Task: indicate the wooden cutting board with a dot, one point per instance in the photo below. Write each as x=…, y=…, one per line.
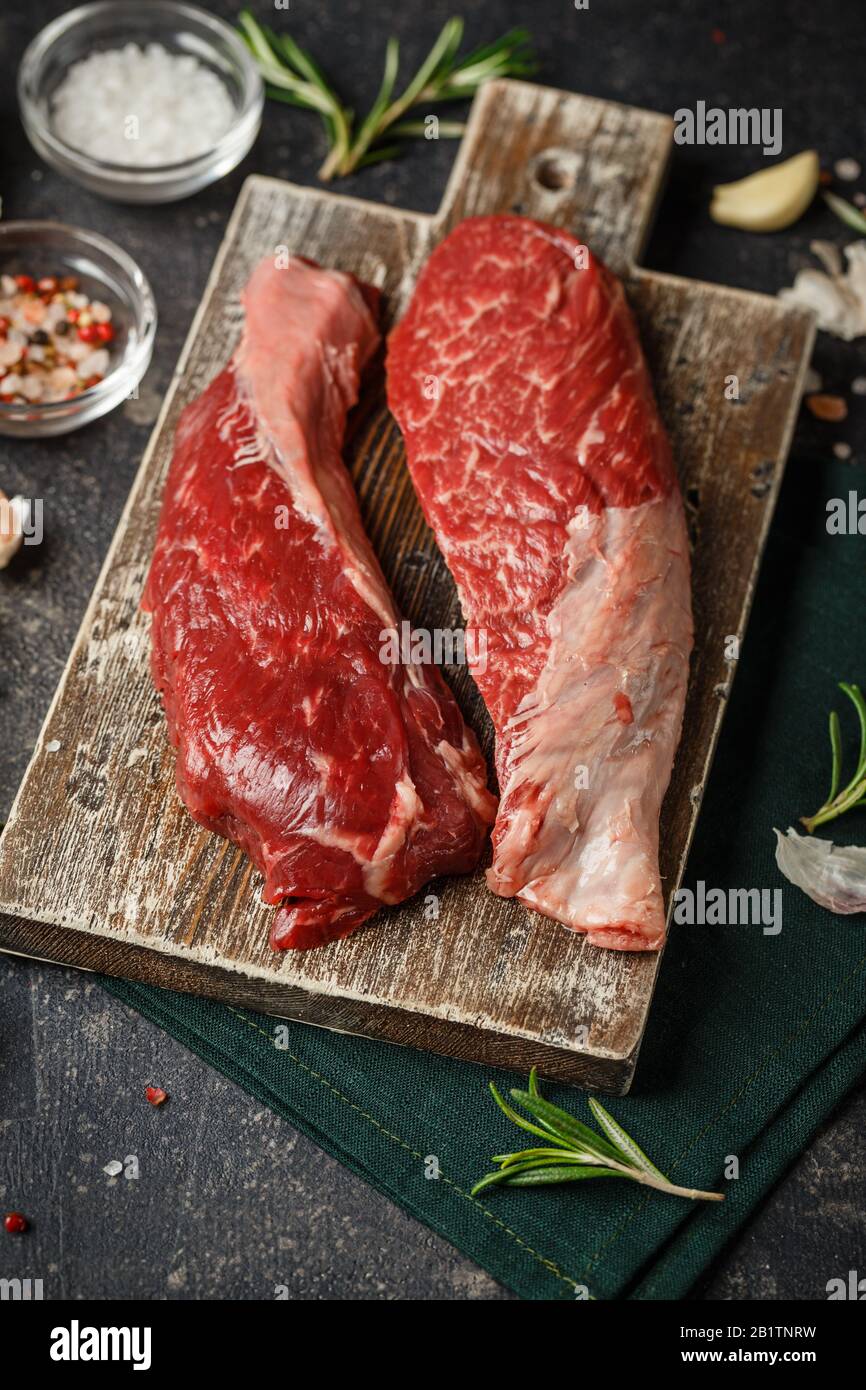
x=101, y=867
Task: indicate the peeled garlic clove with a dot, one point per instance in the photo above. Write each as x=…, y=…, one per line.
x=11, y=528
x=834, y=876
x=771, y=199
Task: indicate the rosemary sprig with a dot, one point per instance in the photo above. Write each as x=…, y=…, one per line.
x=291, y=75
x=852, y=216
x=573, y=1151
x=440, y=78
x=854, y=794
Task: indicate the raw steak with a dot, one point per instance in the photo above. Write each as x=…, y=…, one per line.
x=348, y=782
x=536, y=449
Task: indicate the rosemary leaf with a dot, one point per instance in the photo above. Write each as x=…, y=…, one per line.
x=370, y=127
x=530, y=1155
x=438, y=61
x=503, y=1175
x=852, y=216
x=380, y=153
x=512, y=1115
x=447, y=130
x=836, y=754
x=853, y=794
x=304, y=63
x=539, y=1174
x=853, y=692
x=284, y=94
x=622, y=1142
x=511, y=42
x=569, y=1130
x=564, y=1172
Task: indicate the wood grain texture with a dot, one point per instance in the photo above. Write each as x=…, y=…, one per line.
x=102, y=867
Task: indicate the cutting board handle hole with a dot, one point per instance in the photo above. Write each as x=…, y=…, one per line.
x=556, y=170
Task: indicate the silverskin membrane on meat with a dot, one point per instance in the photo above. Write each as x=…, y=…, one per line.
x=349, y=782
x=535, y=446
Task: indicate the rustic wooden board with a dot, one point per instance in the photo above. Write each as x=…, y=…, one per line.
x=101, y=867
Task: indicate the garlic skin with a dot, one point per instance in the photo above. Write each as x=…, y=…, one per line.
x=771, y=199
x=835, y=295
x=834, y=876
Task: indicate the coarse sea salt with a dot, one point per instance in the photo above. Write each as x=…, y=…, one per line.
x=141, y=107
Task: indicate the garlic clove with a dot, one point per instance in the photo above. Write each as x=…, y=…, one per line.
x=11, y=528
x=771, y=199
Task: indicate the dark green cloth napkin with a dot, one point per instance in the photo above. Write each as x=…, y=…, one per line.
x=753, y=1038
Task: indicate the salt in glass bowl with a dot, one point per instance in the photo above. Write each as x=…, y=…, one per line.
x=111, y=24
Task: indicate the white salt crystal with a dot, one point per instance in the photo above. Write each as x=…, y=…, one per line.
x=10, y=353
x=54, y=314
x=94, y=364
x=847, y=169
x=62, y=378
x=141, y=107
x=31, y=387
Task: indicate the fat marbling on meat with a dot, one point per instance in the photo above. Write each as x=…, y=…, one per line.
x=348, y=782
x=536, y=449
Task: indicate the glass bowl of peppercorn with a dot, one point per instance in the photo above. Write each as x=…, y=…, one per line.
x=77, y=324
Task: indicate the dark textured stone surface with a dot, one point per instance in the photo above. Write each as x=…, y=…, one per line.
x=230, y=1201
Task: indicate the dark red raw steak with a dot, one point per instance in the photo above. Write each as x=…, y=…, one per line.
x=537, y=451
x=348, y=782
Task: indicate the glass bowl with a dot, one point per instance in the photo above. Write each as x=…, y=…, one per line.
x=109, y=24
x=105, y=273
